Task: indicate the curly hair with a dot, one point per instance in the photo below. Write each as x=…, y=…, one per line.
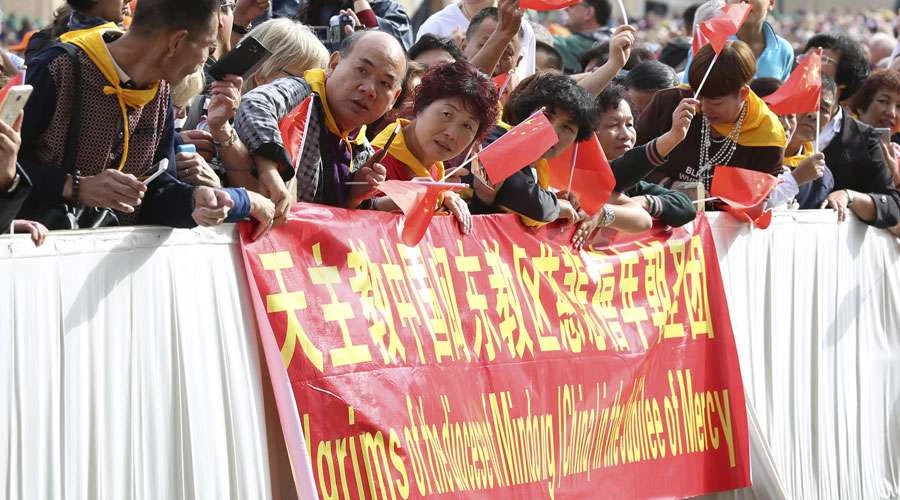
x=460, y=79
x=853, y=66
x=556, y=93
x=610, y=97
x=883, y=79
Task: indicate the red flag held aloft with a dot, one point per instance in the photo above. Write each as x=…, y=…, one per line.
x=520, y=146
x=547, y=4
x=741, y=188
x=417, y=200
x=697, y=41
x=800, y=93
x=293, y=129
x=593, y=180
x=725, y=24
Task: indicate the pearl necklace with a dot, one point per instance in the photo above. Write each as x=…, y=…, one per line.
x=725, y=152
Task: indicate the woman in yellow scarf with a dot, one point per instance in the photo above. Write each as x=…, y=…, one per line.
x=734, y=127
x=454, y=106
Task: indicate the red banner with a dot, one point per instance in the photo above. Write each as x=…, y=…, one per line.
x=499, y=364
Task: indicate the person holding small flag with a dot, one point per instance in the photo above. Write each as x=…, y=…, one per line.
x=734, y=127
x=455, y=105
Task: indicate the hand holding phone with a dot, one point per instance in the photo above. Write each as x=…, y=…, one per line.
x=242, y=60
x=14, y=103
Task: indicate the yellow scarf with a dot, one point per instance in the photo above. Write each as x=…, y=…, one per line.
x=805, y=152
x=401, y=152
x=543, y=173
x=92, y=43
x=761, y=127
x=316, y=80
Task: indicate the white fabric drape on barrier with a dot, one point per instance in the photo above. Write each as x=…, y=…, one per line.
x=815, y=307
x=129, y=369
x=129, y=364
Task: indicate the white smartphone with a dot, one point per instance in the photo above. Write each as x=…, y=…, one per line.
x=161, y=167
x=14, y=103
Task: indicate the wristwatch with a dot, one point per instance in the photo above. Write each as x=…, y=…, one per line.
x=849, y=197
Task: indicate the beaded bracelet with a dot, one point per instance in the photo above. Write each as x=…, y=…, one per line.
x=76, y=196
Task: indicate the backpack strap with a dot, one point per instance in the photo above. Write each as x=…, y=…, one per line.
x=71, y=152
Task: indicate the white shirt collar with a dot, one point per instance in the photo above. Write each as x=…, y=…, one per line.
x=831, y=130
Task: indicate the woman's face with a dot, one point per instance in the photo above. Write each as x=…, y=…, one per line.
x=725, y=109
x=616, y=130
x=444, y=129
x=883, y=111
x=566, y=129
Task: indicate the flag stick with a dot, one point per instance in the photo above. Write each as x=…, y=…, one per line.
x=505, y=84
x=816, y=148
x=706, y=75
x=704, y=200
x=624, y=16
x=450, y=173
x=572, y=169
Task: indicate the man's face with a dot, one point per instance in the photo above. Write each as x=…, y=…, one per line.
x=188, y=51
x=471, y=45
x=579, y=17
x=111, y=10
x=363, y=85
x=226, y=22
x=616, y=130
x=830, y=60
x=435, y=56
x=806, y=122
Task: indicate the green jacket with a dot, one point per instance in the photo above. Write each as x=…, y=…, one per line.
x=676, y=208
x=571, y=47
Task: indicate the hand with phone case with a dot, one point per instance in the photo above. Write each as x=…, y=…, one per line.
x=10, y=140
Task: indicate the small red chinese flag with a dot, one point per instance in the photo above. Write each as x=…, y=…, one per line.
x=418, y=201
x=756, y=215
x=801, y=91
x=547, y=4
x=592, y=179
x=725, y=25
x=698, y=41
x=293, y=129
x=741, y=188
x=16, y=80
x=520, y=146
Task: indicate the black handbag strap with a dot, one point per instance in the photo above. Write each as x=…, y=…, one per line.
x=71, y=153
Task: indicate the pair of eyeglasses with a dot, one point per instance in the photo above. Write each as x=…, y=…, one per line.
x=825, y=59
x=227, y=5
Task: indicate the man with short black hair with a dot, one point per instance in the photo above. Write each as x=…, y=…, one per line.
x=430, y=49
x=548, y=59
x=104, y=119
x=644, y=80
x=589, y=23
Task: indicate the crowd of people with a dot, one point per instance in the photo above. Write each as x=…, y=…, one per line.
x=122, y=88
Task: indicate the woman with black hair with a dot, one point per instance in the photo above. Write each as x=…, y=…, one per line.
x=843, y=60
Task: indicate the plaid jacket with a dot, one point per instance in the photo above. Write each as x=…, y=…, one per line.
x=257, y=122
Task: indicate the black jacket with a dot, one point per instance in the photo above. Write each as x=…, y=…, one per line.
x=392, y=17
x=857, y=162
x=10, y=203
